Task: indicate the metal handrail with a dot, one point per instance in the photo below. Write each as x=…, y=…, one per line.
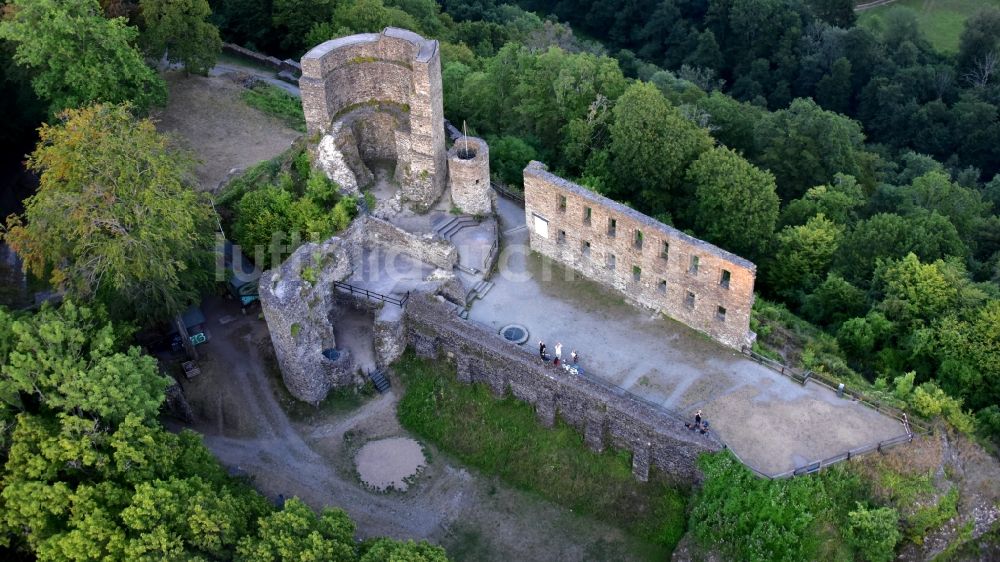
x=372, y=295
x=507, y=192
x=805, y=376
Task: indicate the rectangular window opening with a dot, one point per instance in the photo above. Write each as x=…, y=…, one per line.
x=662, y=286
x=665, y=250
x=720, y=314
x=637, y=240
x=562, y=203
x=724, y=280
x=693, y=268
x=541, y=226
x=612, y=227
x=636, y=273
x=611, y=261
x=689, y=300
x=561, y=238
x=587, y=214
x=586, y=248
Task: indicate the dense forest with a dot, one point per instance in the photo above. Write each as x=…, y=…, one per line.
x=856, y=165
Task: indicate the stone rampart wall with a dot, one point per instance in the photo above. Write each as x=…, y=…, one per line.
x=252, y=56
x=652, y=264
x=604, y=416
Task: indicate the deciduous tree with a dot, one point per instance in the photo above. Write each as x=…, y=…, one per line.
x=735, y=202
x=805, y=146
x=295, y=533
x=652, y=145
x=889, y=236
x=834, y=12
x=67, y=359
x=980, y=39
x=115, y=216
x=803, y=256
x=77, y=56
x=180, y=28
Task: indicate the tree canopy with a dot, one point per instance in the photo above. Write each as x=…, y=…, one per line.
x=180, y=30
x=735, y=202
x=77, y=56
x=115, y=216
x=651, y=147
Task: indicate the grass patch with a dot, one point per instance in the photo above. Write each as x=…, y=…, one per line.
x=941, y=21
x=502, y=437
x=277, y=102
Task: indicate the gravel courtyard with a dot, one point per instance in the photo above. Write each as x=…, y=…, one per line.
x=768, y=420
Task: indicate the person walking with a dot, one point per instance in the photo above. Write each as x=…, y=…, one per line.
x=558, y=353
x=541, y=350
x=574, y=357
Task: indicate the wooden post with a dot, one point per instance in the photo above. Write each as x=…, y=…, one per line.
x=185, y=337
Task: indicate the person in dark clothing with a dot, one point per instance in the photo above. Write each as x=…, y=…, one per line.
x=541, y=351
x=697, y=422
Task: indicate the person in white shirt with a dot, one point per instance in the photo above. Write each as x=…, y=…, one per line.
x=558, y=352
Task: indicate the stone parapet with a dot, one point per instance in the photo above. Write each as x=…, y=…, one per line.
x=426, y=248
x=650, y=263
x=604, y=416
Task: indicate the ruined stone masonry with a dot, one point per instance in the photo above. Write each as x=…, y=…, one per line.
x=377, y=96
x=469, y=176
x=653, y=436
x=652, y=264
x=301, y=304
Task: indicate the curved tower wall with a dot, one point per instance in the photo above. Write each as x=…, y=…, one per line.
x=469, y=176
x=398, y=70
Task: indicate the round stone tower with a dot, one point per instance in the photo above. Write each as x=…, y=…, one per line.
x=469, y=176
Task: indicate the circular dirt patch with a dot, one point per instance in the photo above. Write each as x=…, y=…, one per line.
x=389, y=463
x=514, y=333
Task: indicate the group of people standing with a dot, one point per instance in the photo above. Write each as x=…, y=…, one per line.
x=699, y=424
x=574, y=357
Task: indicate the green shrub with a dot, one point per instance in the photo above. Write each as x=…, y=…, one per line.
x=874, y=532
x=752, y=518
x=260, y=214
x=932, y=516
x=988, y=421
x=277, y=102
x=344, y=212
x=929, y=400
x=320, y=188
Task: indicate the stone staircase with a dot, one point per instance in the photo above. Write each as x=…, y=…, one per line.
x=479, y=290
x=450, y=226
x=379, y=379
x=459, y=310
x=447, y=228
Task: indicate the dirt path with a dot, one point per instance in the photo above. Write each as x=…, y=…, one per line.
x=474, y=517
x=223, y=132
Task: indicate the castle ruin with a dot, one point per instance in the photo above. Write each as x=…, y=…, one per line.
x=377, y=97
x=374, y=103
x=652, y=264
